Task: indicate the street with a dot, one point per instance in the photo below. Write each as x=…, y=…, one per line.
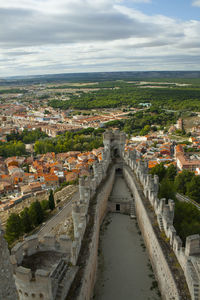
x=63, y=214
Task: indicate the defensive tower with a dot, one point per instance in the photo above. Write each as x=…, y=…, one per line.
x=114, y=142
x=7, y=284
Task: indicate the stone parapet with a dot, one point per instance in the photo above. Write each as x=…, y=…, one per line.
x=74, y=276
x=8, y=289
x=165, y=216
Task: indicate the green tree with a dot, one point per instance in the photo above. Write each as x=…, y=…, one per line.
x=44, y=204
x=159, y=170
x=36, y=213
x=26, y=220
x=166, y=190
x=13, y=228
x=182, y=179
x=145, y=130
x=193, y=188
x=51, y=200
x=12, y=149
x=171, y=172
x=186, y=220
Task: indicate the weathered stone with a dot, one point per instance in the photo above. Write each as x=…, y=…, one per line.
x=7, y=284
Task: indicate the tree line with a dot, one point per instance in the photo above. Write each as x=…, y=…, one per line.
x=187, y=216
x=173, y=97
x=142, y=122
x=83, y=140
x=27, y=137
x=12, y=148
x=28, y=219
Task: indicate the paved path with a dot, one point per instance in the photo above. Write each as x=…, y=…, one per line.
x=58, y=218
x=186, y=199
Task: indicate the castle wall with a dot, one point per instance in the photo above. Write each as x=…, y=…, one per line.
x=163, y=273
x=43, y=284
x=89, y=276
x=184, y=262
x=7, y=285
x=154, y=216
x=38, y=288
x=124, y=207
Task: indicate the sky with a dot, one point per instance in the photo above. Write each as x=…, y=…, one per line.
x=70, y=36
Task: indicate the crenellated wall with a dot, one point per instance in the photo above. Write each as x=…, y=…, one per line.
x=40, y=284
x=74, y=276
x=167, y=284
x=54, y=283
x=89, y=275
x=144, y=186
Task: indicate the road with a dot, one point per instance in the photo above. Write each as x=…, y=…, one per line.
x=58, y=218
x=186, y=199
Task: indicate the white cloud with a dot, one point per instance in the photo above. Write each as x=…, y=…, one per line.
x=49, y=36
x=196, y=3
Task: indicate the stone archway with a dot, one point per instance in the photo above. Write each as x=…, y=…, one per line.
x=115, y=152
x=119, y=171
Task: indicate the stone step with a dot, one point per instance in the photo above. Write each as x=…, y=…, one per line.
x=60, y=288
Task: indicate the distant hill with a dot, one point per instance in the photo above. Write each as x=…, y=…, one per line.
x=99, y=76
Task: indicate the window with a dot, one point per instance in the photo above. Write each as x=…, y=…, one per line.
x=117, y=207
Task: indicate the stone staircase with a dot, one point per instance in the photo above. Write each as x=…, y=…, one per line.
x=132, y=210
x=196, y=290
x=62, y=274
x=65, y=282
x=160, y=223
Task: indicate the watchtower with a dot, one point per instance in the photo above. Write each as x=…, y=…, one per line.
x=114, y=141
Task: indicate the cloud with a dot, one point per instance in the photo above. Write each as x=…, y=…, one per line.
x=42, y=36
x=196, y=3
x=66, y=22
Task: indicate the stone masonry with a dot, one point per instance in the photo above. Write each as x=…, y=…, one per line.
x=188, y=257
x=71, y=275
x=7, y=284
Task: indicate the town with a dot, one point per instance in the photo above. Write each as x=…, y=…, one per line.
x=25, y=176
x=54, y=154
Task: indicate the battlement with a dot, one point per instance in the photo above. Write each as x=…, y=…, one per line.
x=114, y=142
x=192, y=246
x=40, y=264
x=33, y=245
x=188, y=257
x=45, y=267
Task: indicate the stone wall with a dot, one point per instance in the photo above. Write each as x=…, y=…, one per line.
x=42, y=284
x=7, y=284
x=155, y=218
x=89, y=276
x=167, y=284
x=88, y=214
x=124, y=207
x=188, y=259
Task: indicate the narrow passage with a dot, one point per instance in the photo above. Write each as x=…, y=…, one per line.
x=124, y=271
